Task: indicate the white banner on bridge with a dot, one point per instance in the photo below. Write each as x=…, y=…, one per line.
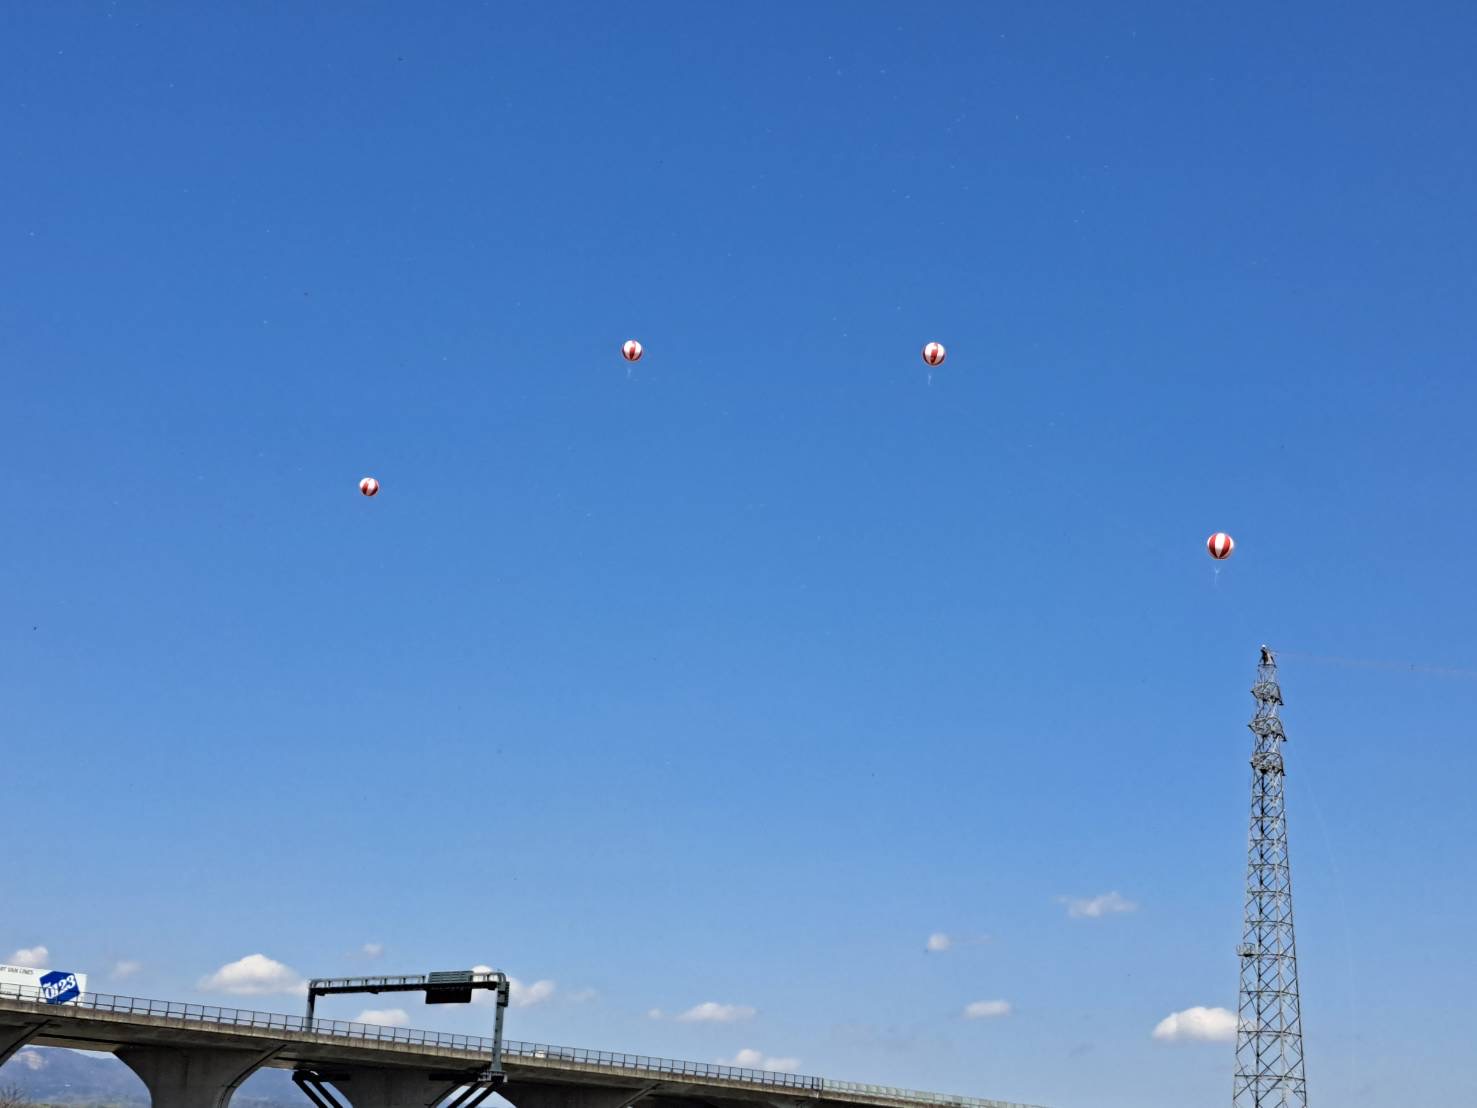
x=51, y=986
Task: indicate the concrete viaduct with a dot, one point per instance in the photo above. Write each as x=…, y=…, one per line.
x=195, y=1056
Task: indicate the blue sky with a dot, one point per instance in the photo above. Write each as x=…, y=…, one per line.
x=733, y=678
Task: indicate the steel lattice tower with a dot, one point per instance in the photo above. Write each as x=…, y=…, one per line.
x=1269, y=1026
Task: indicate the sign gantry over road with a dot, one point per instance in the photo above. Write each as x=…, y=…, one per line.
x=440, y=987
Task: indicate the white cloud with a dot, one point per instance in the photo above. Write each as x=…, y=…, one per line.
x=372, y=950
x=31, y=957
x=526, y=996
x=1095, y=907
x=31, y=1059
x=254, y=975
x=520, y=995
x=941, y=941
x=384, y=1017
x=710, y=1011
x=1199, y=1025
x=751, y=1059
x=125, y=968
x=653, y=1013
x=986, y=1009
x=584, y=996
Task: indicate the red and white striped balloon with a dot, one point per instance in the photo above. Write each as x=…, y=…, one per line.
x=631, y=351
x=1220, y=546
x=934, y=353
x=369, y=486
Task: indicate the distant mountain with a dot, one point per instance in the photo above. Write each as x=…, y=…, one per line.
x=53, y=1075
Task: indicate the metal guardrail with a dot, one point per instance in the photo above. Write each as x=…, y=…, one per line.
x=477, y=1044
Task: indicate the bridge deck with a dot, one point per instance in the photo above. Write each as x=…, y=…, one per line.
x=104, y=1022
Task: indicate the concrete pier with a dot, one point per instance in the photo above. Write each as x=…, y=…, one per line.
x=531, y=1095
x=13, y=1038
x=366, y=1087
x=191, y=1077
